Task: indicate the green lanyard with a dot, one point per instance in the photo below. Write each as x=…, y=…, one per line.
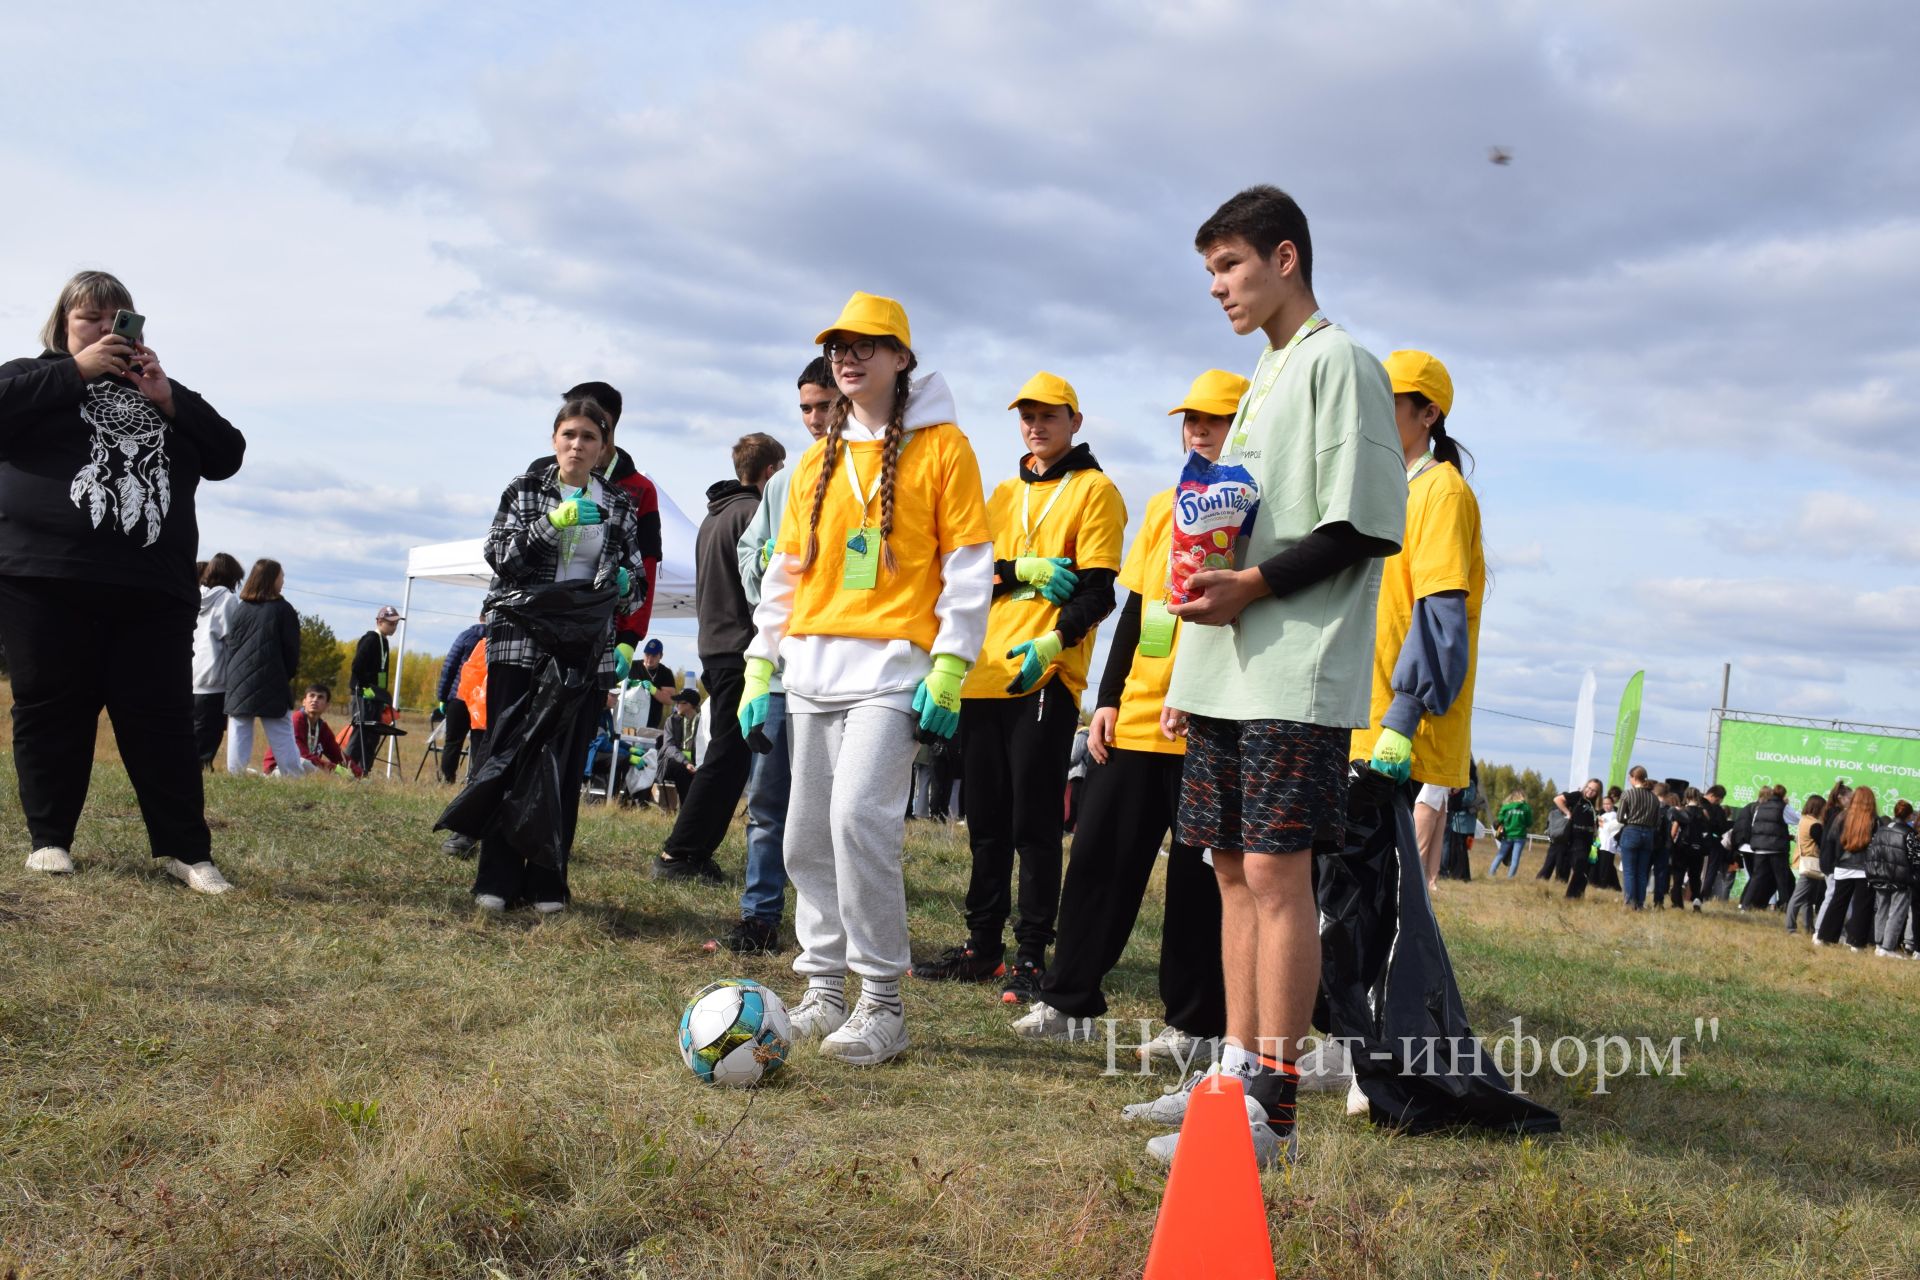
x=1028, y=525
x=1265, y=375
x=1420, y=465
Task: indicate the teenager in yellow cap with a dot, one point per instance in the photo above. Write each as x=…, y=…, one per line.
x=875, y=604
x=1427, y=629
x=1131, y=798
x=1059, y=526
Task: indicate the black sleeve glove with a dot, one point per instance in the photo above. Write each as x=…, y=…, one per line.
x=1320, y=555
x=1126, y=639
x=1087, y=607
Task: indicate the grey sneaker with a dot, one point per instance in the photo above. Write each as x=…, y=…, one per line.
x=1326, y=1068
x=873, y=1033
x=1170, y=1108
x=53, y=860
x=1270, y=1150
x=1175, y=1046
x=201, y=877
x=490, y=902
x=821, y=1012
x=1042, y=1021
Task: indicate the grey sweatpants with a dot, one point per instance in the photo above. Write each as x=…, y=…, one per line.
x=846, y=825
x=1891, y=906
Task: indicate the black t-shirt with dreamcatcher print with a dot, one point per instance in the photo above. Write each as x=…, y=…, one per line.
x=96, y=484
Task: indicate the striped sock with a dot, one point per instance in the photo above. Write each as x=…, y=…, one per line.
x=884, y=992
x=833, y=986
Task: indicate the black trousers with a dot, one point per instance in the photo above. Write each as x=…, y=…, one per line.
x=459, y=725
x=1849, y=904
x=368, y=738
x=209, y=725
x=1771, y=873
x=67, y=644
x=1687, y=864
x=1564, y=851
x=1015, y=762
x=707, y=804
x=501, y=870
x=1127, y=809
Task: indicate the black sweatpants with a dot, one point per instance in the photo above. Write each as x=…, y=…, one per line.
x=1559, y=860
x=458, y=726
x=1772, y=873
x=707, y=804
x=209, y=725
x=1015, y=762
x=1848, y=905
x=501, y=870
x=66, y=644
x=1126, y=810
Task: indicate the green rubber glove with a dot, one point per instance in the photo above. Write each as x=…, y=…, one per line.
x=1393, y=755
x=624, y=580
x=766, y=554
x=937, y=700
x=754, y=701
x=440, y=708
x=368, y=694
x=575, y=510
x=1035, y=657
x=1050, y=574
x=649, y=687
x=622, y=657
x=637, y=757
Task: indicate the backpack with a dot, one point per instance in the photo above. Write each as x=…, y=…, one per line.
x=1557, y=823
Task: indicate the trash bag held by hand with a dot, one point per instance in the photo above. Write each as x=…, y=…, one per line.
x=516, y=795
x=1386, y=982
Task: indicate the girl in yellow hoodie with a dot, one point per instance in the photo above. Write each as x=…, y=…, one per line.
x=875, y=605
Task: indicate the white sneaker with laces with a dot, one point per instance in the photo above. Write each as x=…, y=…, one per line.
x=1326, y=1067
x=489, y=902
x=201, y=877
x=53, y=860
x=1270, y=1150
x=821, y=1012
x=1171, y=1108
x=873, y=1033
x=1174, y=1045
x=1042, y=1021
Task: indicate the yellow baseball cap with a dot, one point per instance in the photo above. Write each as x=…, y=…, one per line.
x=872, y=315
x=1216, y=391
x=1048, y=388
x=1418, y=371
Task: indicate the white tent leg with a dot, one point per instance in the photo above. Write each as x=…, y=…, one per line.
x=399, y=666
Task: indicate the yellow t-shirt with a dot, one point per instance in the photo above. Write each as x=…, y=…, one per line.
x=1145, y=574
x=937, y=509
x=1088, y=525
x=1441, y=552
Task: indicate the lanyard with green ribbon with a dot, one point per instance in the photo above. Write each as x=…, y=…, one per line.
x=1268, y=373
x=1027, y=523
x=1420, y=466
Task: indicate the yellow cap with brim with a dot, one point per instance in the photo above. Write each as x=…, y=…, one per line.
x=1048, y=388
x=1418, y=371
x=872, y=315
x=1216, y=392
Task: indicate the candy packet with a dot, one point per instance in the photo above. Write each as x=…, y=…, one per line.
x=1213, y=508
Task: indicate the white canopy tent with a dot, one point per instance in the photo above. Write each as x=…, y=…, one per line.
x=464, y=564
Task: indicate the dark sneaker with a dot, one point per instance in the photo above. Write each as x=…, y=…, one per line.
x=1022, y=983
x=747, y=938
x=459, y=846
x=961, y=964
x=665, y=868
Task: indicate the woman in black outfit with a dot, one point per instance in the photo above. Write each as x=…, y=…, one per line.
x=1569, y=849
x=263, y=653
x=100, y=457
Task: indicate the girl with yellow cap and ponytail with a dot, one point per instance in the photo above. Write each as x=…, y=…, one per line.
x=1427, y=628
x=875, y=605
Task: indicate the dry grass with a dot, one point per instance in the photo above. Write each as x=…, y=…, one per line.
x=340, y=1070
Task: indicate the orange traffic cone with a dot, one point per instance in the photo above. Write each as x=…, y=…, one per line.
x=1213, y=1220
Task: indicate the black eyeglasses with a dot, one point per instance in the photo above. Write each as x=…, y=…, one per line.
x=859, y=349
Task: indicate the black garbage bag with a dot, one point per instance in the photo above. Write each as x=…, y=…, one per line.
x=1386, y=987
x=516, y=794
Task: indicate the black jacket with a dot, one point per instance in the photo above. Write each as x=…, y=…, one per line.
x=369, y=667
x=96, y=485
x=1890, y=856
x=1092, y=599
x=263, y=652
x=719, y=601
x=1770, y=834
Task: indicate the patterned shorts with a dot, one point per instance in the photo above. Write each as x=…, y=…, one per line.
x=1263, y=786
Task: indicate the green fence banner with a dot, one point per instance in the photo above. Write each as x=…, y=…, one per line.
x=1807, y=761
x=1626, y=726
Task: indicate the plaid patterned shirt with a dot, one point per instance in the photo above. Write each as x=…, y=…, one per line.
x=524, y=549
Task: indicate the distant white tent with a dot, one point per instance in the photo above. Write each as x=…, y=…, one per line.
x=463, y=564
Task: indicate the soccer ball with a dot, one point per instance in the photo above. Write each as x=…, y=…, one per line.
x=734, y=1032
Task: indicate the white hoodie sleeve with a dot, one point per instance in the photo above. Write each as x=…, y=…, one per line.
x=775, y=610
x=967, y=590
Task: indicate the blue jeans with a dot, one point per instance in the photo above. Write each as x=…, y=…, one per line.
x=767, y=787
x=1636, y=860
x=1500, y=855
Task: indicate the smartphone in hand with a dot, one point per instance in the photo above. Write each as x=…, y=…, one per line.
x=131, y=325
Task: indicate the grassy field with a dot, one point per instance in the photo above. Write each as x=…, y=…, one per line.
x=341, y=1069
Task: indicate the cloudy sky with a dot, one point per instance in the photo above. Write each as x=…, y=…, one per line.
x=382, y=236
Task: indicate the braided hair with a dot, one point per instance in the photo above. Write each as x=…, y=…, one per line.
x=1445, y=447
x=895, y=438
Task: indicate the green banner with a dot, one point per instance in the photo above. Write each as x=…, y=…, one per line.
x=1626, y=726
x=1807, y=761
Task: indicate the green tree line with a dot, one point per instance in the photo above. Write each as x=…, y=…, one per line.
x=327, y=659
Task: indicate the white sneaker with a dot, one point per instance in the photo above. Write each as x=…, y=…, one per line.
x=1175, y=1045
x=1882, y=952
x=1357, y=1104
x=489, y=902
x=201, y=877
x=53, y=860
x=1170, y=1108
x=1042, y=1021
x=1270, y=1150
x=1818, y=943
x=1326, y=1067
x=549, y=908
x=872, y=1034
x=821, y=1012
